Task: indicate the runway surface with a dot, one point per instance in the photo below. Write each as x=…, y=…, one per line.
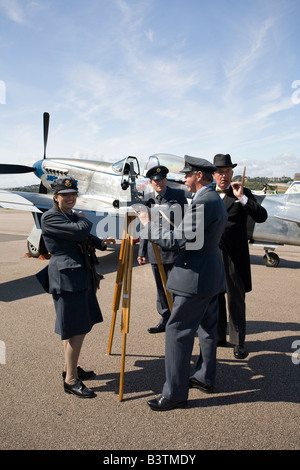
x=256, y=401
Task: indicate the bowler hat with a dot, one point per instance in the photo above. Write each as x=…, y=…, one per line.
x=221, y=160
x=64, y=185
x=197, y=164
x=157, y=172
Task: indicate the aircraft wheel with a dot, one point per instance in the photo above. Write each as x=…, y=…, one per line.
x=33, y=251
x=271, y=260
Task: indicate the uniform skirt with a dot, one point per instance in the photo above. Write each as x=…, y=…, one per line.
x=76, y=312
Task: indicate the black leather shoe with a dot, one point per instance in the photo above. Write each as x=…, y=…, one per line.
x=79, y=389
x=160, y=327
x=82, y=374
x=194, y=383
x=240, y=352
x=222, y=343
x=163, y=404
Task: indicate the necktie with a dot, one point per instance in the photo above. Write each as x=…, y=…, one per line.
x=159, y=198
x=220, y=191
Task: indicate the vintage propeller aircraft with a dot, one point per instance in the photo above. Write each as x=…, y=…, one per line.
x=106, y=190
x=282, y=226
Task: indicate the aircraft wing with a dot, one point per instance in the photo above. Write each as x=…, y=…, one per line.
x=288, y=220
x=20, y=201
x=35, y=202
x=107, y=220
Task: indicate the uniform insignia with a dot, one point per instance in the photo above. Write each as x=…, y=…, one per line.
x=68, y=183
x=158, y=170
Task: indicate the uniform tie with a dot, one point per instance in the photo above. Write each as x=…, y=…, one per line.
x=159, y=198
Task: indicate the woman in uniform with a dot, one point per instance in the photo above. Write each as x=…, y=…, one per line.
x=72, y=278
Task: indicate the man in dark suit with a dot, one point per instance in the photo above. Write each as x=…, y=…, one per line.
x=195, y=282
x=164, y=198
x=240, y=203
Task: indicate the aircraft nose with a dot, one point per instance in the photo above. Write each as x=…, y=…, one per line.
x=38, y=168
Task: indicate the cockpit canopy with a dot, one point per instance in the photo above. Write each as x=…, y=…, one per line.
x=172, y=162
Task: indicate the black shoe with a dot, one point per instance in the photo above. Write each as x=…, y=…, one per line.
x=240, y=352
x=79, y=389
x=194, y=383
x=222, y=343
x=163, y=404
x=82, y=374
x=160, y=327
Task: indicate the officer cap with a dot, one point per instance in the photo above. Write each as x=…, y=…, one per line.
x=64, y=185
x=157, y=172
x=221, y=160
x=197, y=164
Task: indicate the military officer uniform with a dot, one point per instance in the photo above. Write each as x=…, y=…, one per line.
x=71, y=269
x=171, y=198
x=195, y=281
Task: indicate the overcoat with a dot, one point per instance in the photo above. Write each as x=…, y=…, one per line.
x=235, y=239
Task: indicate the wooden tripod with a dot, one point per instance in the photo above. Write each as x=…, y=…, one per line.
x=123, y=281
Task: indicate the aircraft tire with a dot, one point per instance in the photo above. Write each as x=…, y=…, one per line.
x=33, y=251
x=271, y=260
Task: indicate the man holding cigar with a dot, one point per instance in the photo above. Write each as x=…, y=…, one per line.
x=239, y=203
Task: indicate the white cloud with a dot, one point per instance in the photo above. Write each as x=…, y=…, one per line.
x=150, y=34
x=13, y=10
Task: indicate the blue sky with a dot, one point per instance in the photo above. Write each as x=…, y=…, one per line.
x=137, y=77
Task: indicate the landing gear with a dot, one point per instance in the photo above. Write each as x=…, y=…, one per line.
x=35, y=244
x=270, y=259
x=32, y=250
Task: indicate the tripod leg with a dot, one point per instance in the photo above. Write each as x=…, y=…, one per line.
x=162, y=275
x=118, y=288
x=121, y=386
x=126, y=299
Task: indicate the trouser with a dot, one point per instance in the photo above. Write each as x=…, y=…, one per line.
x=190, y=315
x=161, y=299
x=236, y=305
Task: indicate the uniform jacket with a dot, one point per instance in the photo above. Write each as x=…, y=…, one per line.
x=234, y=239
x=196, y=271
x=72, y=251
x=171, y=196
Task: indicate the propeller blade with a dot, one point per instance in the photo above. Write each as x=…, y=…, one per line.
x=46, y=128
x=7, y=169
x=42, y=189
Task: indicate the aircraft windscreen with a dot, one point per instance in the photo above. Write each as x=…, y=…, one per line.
x=123, y=166
x=118, y=166
x=172, y=162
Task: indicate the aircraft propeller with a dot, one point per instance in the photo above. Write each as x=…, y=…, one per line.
x=46, y=118
x=9, y=169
